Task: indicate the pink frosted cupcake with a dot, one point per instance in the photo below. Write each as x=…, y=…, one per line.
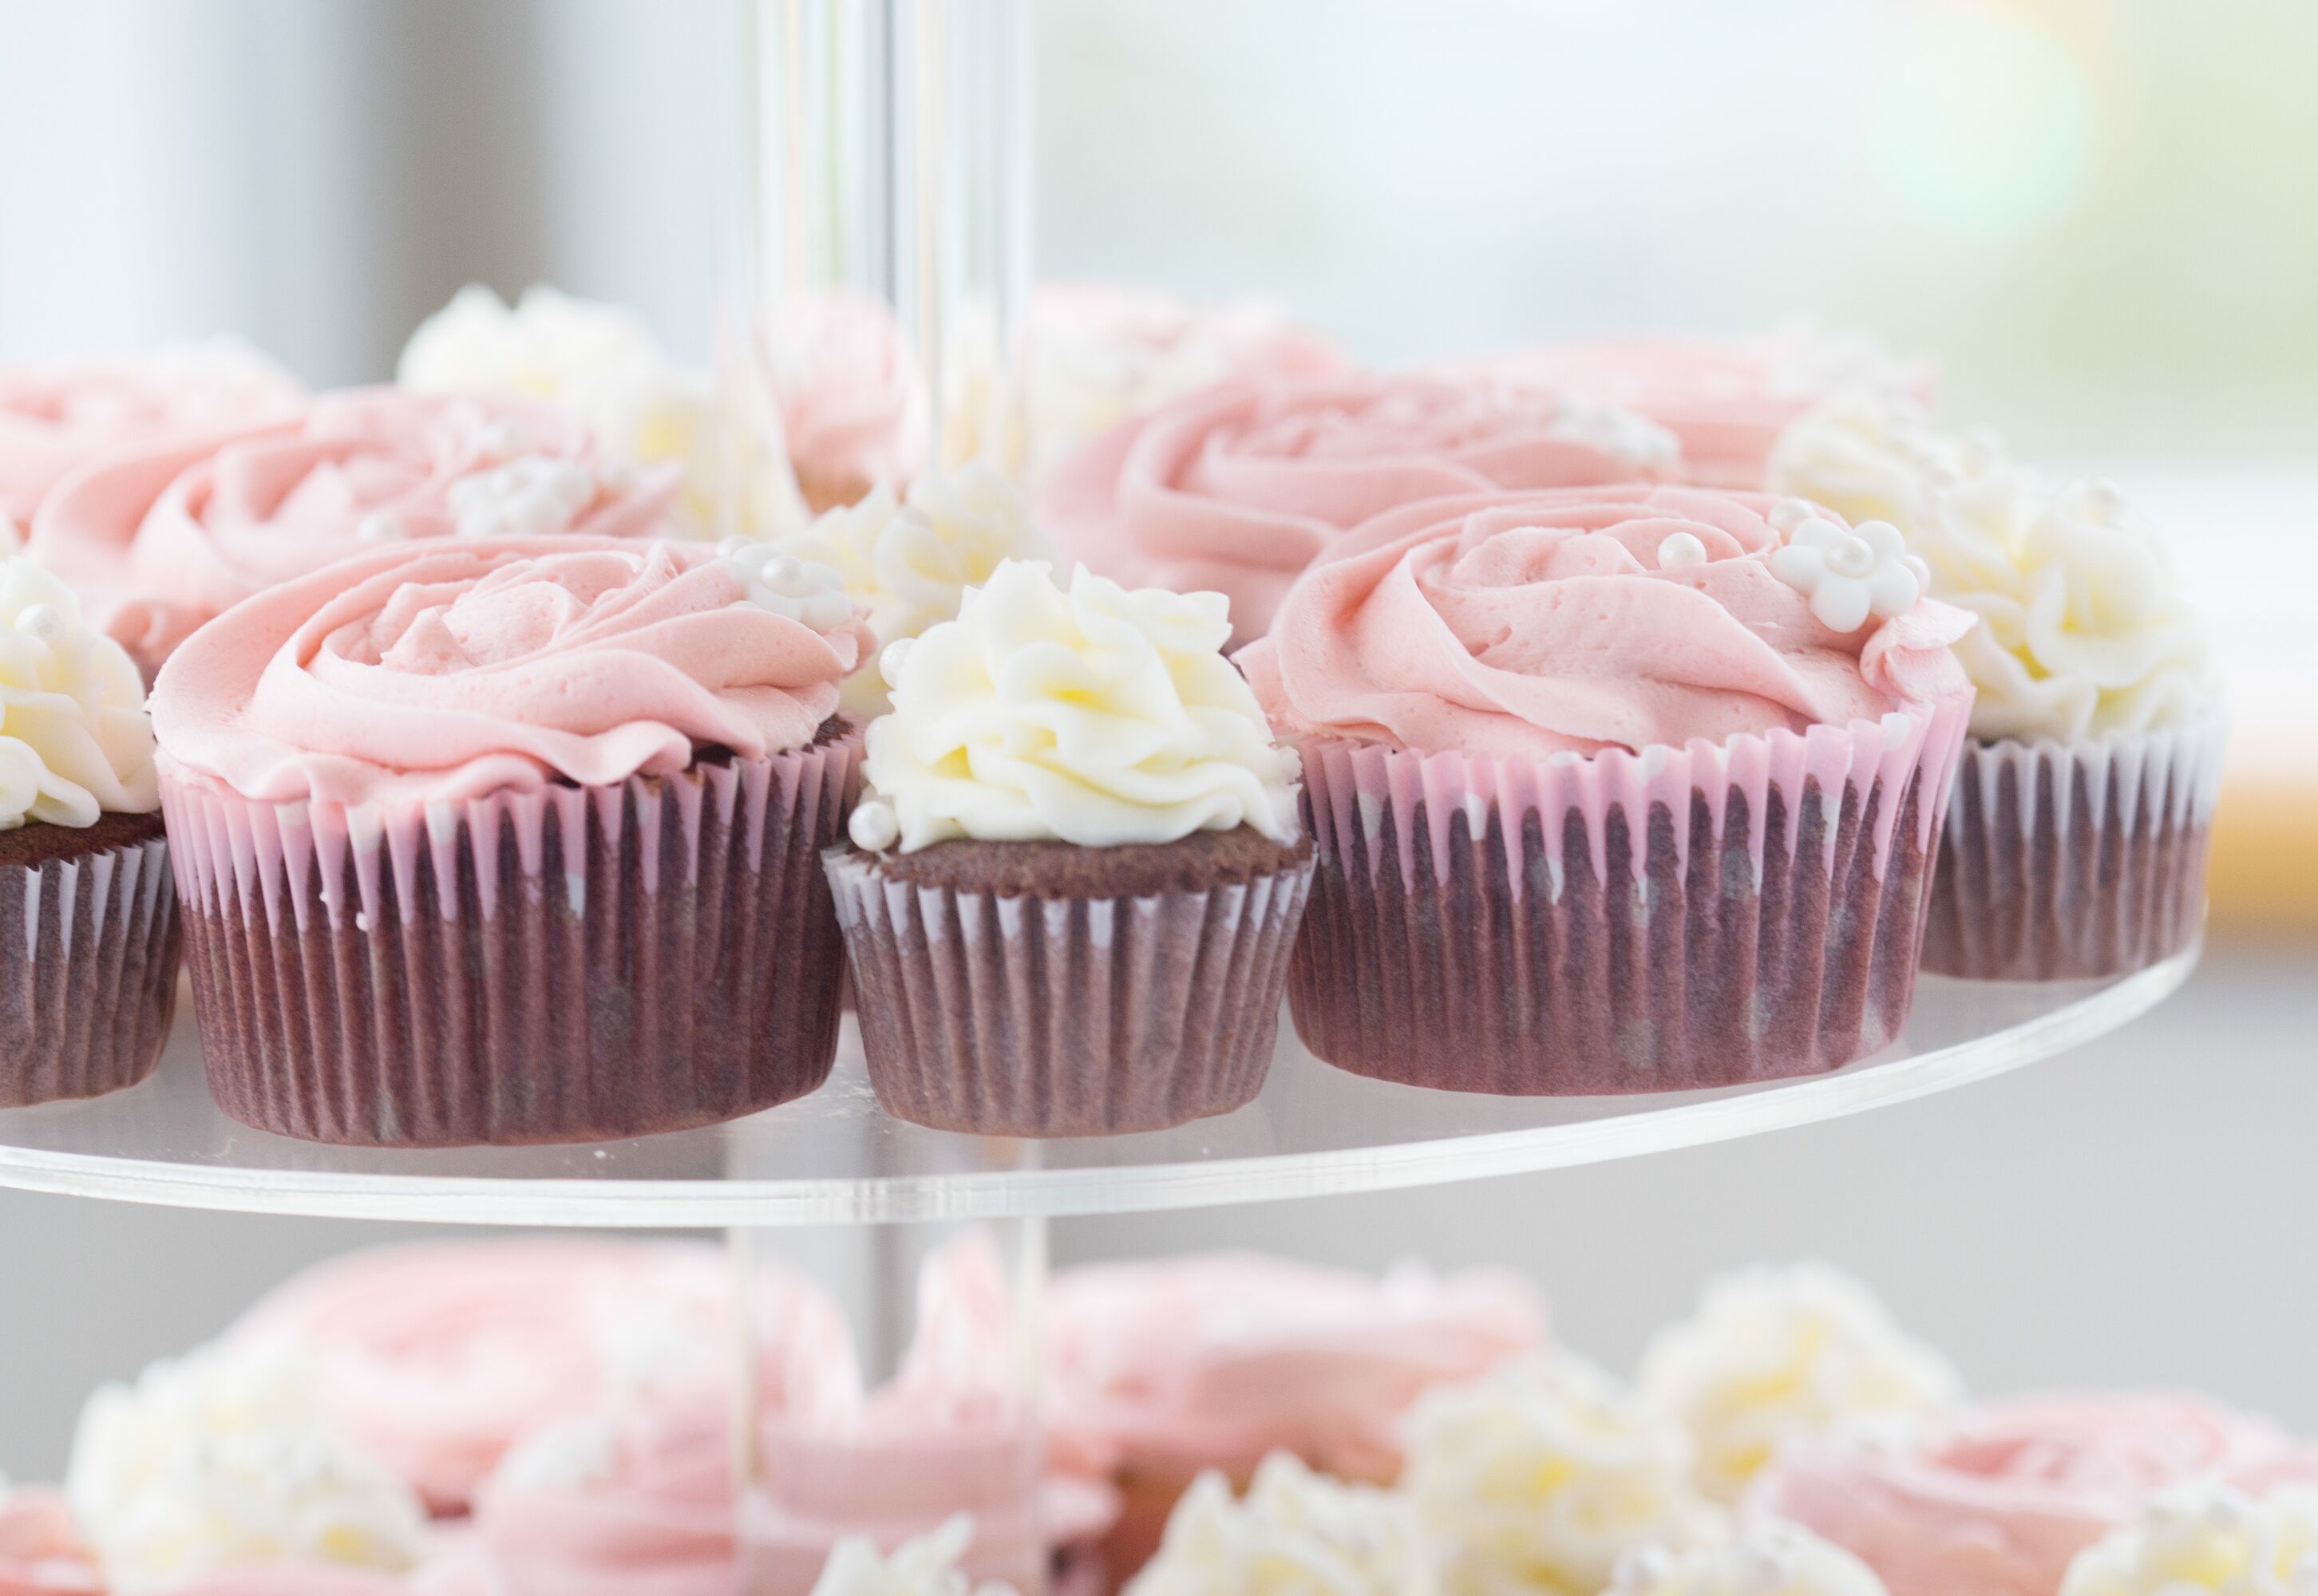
x=852, y=401
x=160, y=538
x=434, y=1358
x=1627, y=789
x=1166, y=1369
x=42, y=1551
x=513, y=840
x=1238, y=487
x=57, y=416
x=1996, y=1502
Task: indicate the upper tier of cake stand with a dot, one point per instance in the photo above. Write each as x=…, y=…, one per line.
x=836, y=1159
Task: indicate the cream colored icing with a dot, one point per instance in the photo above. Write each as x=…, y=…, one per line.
x=2207, y=1538
x=74, y=739
x=923, y=1566
x=1093, y=714
x=1770, y=1559
x=1296, y=1533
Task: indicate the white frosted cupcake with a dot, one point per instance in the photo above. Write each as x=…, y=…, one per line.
x=2207, y=1538
x=1296, y=1532
x=2077, y=835
x=1768, y=1559
x=1078, y=871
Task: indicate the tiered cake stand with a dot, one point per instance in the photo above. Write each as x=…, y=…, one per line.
x=879, y=151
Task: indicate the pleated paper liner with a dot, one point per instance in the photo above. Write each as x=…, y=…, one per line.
x=1693, y=916
x=88, y=972
x=577, y=964
x=2071, y=860
x=1066, y=1016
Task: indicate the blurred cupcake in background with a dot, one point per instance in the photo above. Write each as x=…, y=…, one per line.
x=1778, y=1355
x=520, y=839
x=158, y=540
x=854, y=411
x=1077, y=870
x=1295, y=1530
x=57, y=417
x=1176, y=1367
x=2207, y=1538
x=1622, y=789
x=910, y=559
x=1540, y=1476
x=88, y=915
x=1237, y=487
x=602, y=364
x=1770, y=1559
x=2077, y=838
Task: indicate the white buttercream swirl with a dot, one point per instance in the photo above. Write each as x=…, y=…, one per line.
x=2207, y=1538
x=1296, y=1533
x=910, y=561
x=218, y=1460
x=74, y=739
x=1767, y=1559
x=924, y=1566
x=1540, y=1476
x=2084, y=630
x=1094, y=714
x=1779, y=1354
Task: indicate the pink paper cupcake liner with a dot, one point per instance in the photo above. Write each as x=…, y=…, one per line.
x=88, y=973
x=2070, y=860
x=1692, y=916
x=1075, y=1017
x=577, y=964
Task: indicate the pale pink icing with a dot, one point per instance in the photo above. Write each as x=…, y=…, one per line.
x=852, y=401
x=1996, y=1501
x=434, y=1358
x=1727, y=400
x=59, y=416
x=455, y=669
x=1542, y=623
x=42, y=1553
x=1212, y=1361
x=1238, y=487
x=159, y=540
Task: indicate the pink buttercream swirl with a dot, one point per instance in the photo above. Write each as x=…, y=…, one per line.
x=42, y=1552
x=1996, y=1501
x=1545, y=622
x=451, y=669
x=1238, y=487
x=160, y=539
x=853, y=401
x=59, y=416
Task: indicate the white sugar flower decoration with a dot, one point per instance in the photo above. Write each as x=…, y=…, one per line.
x=803, y=590
x=530, y=496
x=1849, y=573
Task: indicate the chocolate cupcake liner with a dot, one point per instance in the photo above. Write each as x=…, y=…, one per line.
x=1067, y=1016
x=1693, y=916
x=2071, y=860
x=577, y=964
x=88, y=973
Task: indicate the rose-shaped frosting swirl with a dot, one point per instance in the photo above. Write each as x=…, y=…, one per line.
x=1774, y=1356
x=1240, y=486
x=74, y=739
x=1296, y=1533
x=1728, y=400
x=853, y=401
x=1214, y=1361
x=1579, y=620
x=42, y=1552
x=1996, y=1501
x=1096, y=715
x=59, y=416
x=448, y=670
x=162, y=538
x=2207, y=1537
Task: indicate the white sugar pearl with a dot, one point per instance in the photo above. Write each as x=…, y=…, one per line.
x=40, y=621
x=379, y=527
x=498, y=440
x=737, y=548
x=784, y=571
x=890, y=662
x=875, y=827
x=1788, y=513
x=1680, y=550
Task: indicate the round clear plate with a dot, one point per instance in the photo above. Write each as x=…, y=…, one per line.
x=836, y=1158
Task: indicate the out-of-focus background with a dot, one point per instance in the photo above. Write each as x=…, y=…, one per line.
x=2101, y=215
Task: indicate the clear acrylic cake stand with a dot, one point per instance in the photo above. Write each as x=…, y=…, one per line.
x=878, y=151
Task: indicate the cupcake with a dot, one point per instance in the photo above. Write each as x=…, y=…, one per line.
x=1614, y=790
x=436, y=1356
x=1771, y=1559
x=2077, y=836
x=1294, y=1532
x=1071, y=892
x=1240, y=486
x=157, y=540
x=88, y=920
x=513, y=840
x=58, y=416
x=2207, y=1538
x=42, y=1552
x=1163, y=1371
x=2000, y=1500
x=1727, y=401
x=853, y=401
